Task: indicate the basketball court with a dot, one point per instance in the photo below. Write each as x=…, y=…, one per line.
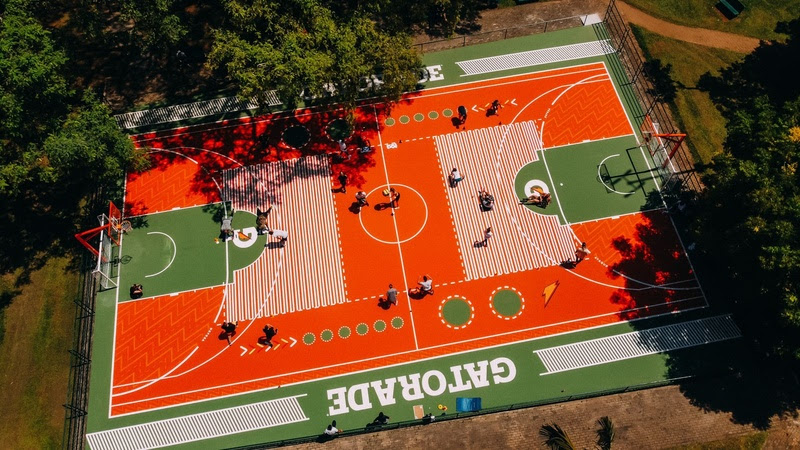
x=516, y=320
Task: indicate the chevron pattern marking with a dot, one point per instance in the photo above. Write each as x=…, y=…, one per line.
x=535, y=57
x=591, y=112
x=490, y=158
x=638, y=343
x=201, y=426
x=155, y=334
x=306, y=272
x=184, y=111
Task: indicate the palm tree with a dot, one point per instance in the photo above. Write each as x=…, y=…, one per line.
x=605, y=434
x=555, y=437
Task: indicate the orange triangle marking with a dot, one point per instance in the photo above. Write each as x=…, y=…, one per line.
x=548, y=292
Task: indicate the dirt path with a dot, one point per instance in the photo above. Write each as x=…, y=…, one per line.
x=699, y=36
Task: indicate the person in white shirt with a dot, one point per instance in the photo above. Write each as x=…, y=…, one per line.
x=281, y=235
x=425, y=284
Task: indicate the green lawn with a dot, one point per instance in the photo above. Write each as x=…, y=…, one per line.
x=696, y=114
x=757, y=20
x=37, y=327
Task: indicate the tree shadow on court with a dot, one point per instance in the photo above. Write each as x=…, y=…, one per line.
x=263, y=140
x=726, y=377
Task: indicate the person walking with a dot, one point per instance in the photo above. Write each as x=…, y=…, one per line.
x=394, y=196
x=462, y=115
x=270, y=332
x=229, y=328
x=494, y=110
x=390, y=298
x=487, y=234
x=343, y=181
x=581, y=253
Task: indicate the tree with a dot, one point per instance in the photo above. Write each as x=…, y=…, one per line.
x=301, y=49
x=155, y=23
x=555, y=438
x=606, y=433
x=747, y=232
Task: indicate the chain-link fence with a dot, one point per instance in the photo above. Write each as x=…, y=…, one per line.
x=78, y=389
x=645, y=101
x=499, y=35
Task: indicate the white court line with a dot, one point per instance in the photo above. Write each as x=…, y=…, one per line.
x=159, y=378
x=604, y=183
x=174, y=253
x=482, y=338
x=396, y=232
x=166, y=135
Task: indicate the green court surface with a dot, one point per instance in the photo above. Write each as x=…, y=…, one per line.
x=593, y=180
x=177, y=240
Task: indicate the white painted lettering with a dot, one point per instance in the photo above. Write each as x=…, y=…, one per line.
x=363, y=389
x=385, y=395
x=426, y=383
x=510, y=368
x=339, y=401
x=411, y=389
x=434, y=73
x=459, y=384
x=479, y=378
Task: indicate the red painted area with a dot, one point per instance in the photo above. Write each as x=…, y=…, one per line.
x=632, y=258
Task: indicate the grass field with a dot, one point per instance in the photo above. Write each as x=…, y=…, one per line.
x=694, y=109
x=34, y=363
x=758, y=19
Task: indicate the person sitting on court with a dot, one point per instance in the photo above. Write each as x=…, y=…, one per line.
x=261, y=220
x=454, y=178
x=136, y=291
x=537, y=198
x=486, y=199
x=281, y=235
x=425, y=284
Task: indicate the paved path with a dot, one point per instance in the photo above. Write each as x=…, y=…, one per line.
x=700, y=36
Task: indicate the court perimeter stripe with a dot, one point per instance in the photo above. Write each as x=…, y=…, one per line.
x=535, y=57
x=638, y=343
x=200, y=426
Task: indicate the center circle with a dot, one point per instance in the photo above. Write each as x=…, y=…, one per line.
x=407, y=222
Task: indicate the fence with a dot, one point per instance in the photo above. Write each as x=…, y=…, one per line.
x=457, y=415
x=78, y=388
x=641, y=94
x=505, y=33
x=638, y=91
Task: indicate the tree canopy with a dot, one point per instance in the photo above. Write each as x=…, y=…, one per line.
x=300, y=48
x=747, y=220
x=56, y=148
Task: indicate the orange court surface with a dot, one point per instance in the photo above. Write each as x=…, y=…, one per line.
x=321, y=287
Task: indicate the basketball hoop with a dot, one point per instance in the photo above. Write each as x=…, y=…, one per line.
x=125, y=226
